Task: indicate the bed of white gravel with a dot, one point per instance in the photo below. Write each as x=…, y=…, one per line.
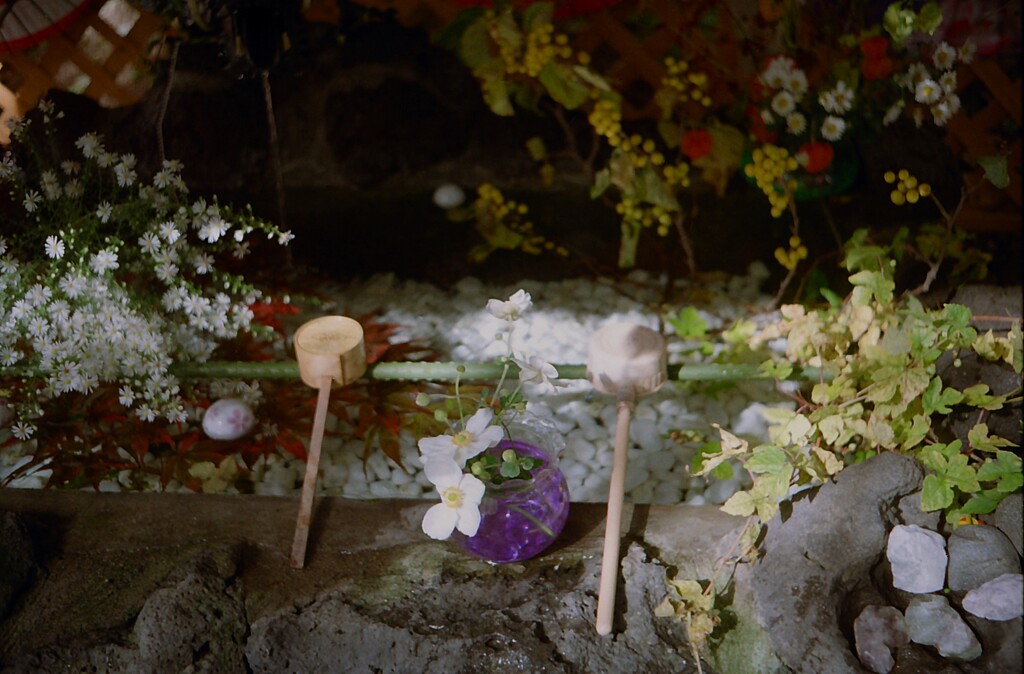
x=558, y=328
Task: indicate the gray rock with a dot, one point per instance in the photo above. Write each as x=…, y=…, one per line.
x=817, y=555
x=1009, y=519
x=918, y=558
x=876, y=631
x=1001, y=598
x=17, y=559
x=931, y=621
x=911, y=513
x=977, y=554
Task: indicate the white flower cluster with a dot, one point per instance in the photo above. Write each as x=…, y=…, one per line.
x=934, y=92
x=788, y=85
x=107, y=279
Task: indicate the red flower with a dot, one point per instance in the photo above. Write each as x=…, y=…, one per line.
x=758, y=128
x=696, y=143
x=816, y=156
x=874, y=48
x=876, y=69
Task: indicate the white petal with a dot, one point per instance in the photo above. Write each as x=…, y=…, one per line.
x=438, y=445
x=472, y=489
x=479, y=421
x=439, y=521
x=442, y=472
x=469, y=519
x=490, y=437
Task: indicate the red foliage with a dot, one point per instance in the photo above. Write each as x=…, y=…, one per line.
x=696, y=143
x=819, y=156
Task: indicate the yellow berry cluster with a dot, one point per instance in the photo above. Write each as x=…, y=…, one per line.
x=677, y=175
x=606, y=118
x=770, y=169
x=492, y=207
x=791, y=258
x=908, y=190
x=638, y=214
x=641, y=152
x=687, y=85
x=529, y=56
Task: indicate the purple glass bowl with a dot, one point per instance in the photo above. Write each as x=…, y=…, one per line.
x=520, y=518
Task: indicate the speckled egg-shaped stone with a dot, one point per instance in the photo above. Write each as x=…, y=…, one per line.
x=228, y=419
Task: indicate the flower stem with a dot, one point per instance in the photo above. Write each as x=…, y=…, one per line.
x=543, y=527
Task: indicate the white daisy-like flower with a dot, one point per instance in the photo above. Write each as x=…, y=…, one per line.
x=104, y=211
x=50, y=184
x=166, y=271
x=23, y=431
x=796, y=83
x=32, y=201
x=916, y=72
x=778, y=71
x=796, y=123
x=74, y=188
x=203, y=263
x=460, y=501
x=213, y=229
x=840, y=100
x=54, y=248
x=149, y=243
x=3, y=245
x=944, y=56
x=9, y=356
x=103, y=261
x=125, y=175
x=513, y=308
x=948, y=82
x=477, y=436
x=967, y=51
x=832, y=128
x=783, y=103
x=72, y=285
x=70, y=168
x=240, y=250
x=893, y=113
x=90, y=145
x=284, y=237
x=169, y=232
x=927, y=91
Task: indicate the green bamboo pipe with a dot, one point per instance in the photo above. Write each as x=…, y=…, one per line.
x=448, y=371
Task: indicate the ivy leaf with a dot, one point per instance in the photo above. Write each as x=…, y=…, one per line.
x=829, y=461
x=602, y=180
x=1005, y=469
x=1017, y=345
x=562, y=85
x=938, y=400
x=496, y=95
x=978, y=396
x=475, y=46
x=935, y=494
x=877, y=283
x=688, y=323
x=995, y=170
x=929, y=18
x=650, y=188
x=981, y=503
x=731, y=447
x=767, y=459
x=741, y=503
x=777, y=368
x=981, y=440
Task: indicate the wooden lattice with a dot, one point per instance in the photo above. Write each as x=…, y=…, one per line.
x=102, y=55
x=989, y=125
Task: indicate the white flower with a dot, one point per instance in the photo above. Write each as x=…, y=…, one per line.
x=927, y=91
x=125, y=175
x=3, y=245
x=944, y=57
x=796, y=83
x=477, y=436
x=24, y=431
x=74, y=188
x=783, y=103
x=838, y=100
x=103, y=261
x=284, y=237
x=72, y=286
x=166, y=271
x=460, y=501
x=213, y=229
x=104, y=211
x=169, y=232
x=149, y=243
x=536, y=370
x=50, y=184
x=832, y=128
x=203, y=263
x=511, y=309
x=967, y=51
x=948, y=82
x=70, y=167
x=54, y=248
x=778, y=72
x=32, y=200
x=126, y=396
x=916, y=72
x=90, y=145
x=796, y=123
x=893, y=113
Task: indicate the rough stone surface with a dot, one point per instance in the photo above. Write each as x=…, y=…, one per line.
x=876, y=631
x=917, y=557
x=186, y=583
x=17, y=559
x=933, y=622
x=1009, y=519
x=818, y=554
x=911, y=513
x=977, y=554
x=1001, y=598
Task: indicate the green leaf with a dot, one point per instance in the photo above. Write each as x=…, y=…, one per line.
x=982, y=503
x=475, y=46
x=961, y=475
x=929, y=18
x=981, y=440
x=651, y=188
x=592, y=78
x=1016, y=343
x=935, y=494
x=510, y=469
x=1005, y=469
x=995, y=170
x=602, y=180
x=562, y=85
x=880, y=286
x=688, y=323
x=777, y=369
x=670, y=132
x=450, y=37
x=978, y=396
x=834, y=300
x=937, y=400
x=496, y=97
x=768, y=459
x=538, y=13
x=741, y=503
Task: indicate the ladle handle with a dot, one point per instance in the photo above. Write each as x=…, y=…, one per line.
x=613, y=523
x=298, y=558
